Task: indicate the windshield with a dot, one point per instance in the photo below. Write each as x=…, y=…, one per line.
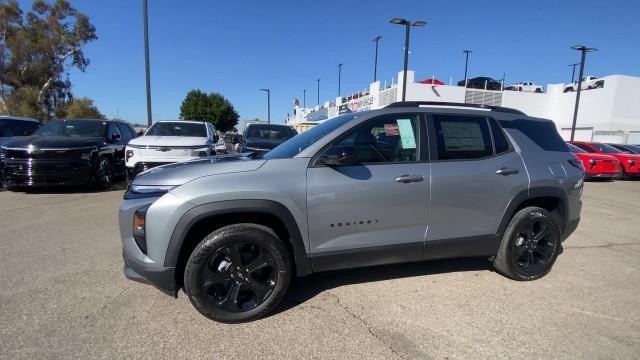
x=270, y=132
x=575, y=149
x=73, y=128
x=295, y=145
x=634, y=148
x=606, y=148
x=177, y=128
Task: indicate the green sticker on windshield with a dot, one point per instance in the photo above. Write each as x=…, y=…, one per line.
x=406, y=134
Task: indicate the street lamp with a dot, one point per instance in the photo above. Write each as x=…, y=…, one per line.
x=339, y=77
x=584, y=50
x=408, y=24
x=375, y=61
x=268, y=104
x=466, y=64
x=146, y=59
x=573, y=71
x=318, y=91
x=304, y=98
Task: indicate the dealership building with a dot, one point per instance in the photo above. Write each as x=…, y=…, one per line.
x=610, y=113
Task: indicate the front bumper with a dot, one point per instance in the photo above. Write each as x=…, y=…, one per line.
x=46, y=172
x=160, y=277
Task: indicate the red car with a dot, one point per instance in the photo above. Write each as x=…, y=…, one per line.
x=630, y=163
x=431, y=82
x=597, y=165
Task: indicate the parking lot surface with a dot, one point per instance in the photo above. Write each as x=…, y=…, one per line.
x=64, y=296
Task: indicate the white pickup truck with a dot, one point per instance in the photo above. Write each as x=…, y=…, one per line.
x=527, y=86
x=589, y=82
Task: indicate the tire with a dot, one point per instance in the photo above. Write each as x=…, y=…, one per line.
x=520, y=256
x=213, y=279
x=104, y=173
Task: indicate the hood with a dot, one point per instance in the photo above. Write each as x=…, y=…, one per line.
x=260, y=143
x=154, y=140
x=180, y=173
x=52, y=142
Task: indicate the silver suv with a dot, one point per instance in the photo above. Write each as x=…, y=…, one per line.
x=410, y=182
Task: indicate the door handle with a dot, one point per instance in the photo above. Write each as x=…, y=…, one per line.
x=405, y=179
x=507, y=171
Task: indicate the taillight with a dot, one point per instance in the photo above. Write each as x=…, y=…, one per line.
x=577, y=163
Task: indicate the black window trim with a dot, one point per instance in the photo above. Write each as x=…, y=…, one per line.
x=423, y=142
x=433, y=140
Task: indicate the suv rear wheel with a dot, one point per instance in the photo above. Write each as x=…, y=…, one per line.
x=238, y=273
x=530, y=245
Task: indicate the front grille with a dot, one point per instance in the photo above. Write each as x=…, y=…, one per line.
x=45, y=154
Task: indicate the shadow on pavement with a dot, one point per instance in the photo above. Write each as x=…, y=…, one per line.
x=78, y=189
x=304, y=289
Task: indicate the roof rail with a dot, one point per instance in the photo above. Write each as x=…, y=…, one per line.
x=442, y=103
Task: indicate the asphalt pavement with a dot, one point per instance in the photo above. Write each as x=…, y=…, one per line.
x=64, y=297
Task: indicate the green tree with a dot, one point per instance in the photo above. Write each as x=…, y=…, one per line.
x=36, y=51
x=212, y=107
x=82, y=108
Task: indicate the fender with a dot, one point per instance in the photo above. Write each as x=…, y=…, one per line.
x=191, y=217
x=535, y=192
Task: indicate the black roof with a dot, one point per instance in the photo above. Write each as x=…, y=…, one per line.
x=438, y=103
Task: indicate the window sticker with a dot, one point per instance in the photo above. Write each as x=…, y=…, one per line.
x=462, y=136
x=406, y=134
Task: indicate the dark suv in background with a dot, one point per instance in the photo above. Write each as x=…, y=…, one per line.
x=482, y=82
x=261, y=138
x=66, y=152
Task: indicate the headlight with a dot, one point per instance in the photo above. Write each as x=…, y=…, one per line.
x=146, y=191
x=139, y=228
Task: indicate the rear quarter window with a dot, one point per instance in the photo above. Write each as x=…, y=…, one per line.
x=543, y=133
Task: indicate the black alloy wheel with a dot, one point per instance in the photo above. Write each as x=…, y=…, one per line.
x=238, y=273
x=534, y=245
x=530, y=244
x=239, y=277
x=104, y=173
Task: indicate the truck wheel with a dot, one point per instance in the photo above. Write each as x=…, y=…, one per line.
x=238, y=273
x=529, y=246
x=104, y=173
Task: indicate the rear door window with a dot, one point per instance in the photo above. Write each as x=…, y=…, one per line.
x=24, y=128
x=462, y=137
x=500, y=141
x=5, y=130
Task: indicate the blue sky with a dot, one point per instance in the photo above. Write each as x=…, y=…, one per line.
x=238, y=47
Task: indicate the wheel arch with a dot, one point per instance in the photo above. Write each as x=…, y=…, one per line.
x=550, y=198
x=203, y=219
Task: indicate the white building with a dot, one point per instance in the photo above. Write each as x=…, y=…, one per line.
x=610, y=113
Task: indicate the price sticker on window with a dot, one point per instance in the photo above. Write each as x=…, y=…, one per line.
x=407, y=137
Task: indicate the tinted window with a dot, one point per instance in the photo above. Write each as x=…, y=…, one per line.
x=606, y=148
x=634, y=148
x=383, y=140
x=270, y=132
x=624, y=149
x=462, y=137
x=5, y=130
x=585, y=148
x=177, y=128
x=575, y=149
x=24, y=128
x=126, y=134
x=543, y=133
x=73, y=128
x=499, y=139
x=295, y=145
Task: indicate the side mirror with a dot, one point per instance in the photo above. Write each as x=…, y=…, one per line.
x=140, y=133
x=216, y=138
x=116, y=137
x=339, y=155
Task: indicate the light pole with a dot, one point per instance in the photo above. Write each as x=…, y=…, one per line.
x=339, y=77
x=318, y=91
x=375, y=61
x=408, y=24
x=584, y=50
x=146, y=59
x=268, y=104
x=573, y=71
x=304, y=98
x=466, y=64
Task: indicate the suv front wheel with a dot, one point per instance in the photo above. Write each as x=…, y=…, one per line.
x=238, y=273
x=530, y=245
